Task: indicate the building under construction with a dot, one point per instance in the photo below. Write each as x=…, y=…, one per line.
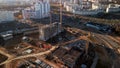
x=48, y=31
x=74, y=55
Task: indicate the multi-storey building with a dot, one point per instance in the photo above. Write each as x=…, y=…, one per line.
x=40, y=9
x=87, y=7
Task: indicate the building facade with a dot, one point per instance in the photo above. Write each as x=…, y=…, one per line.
x=48, y=31
x=88, y=7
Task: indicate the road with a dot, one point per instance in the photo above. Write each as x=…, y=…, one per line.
x=4, y=52
x=107, y=40
x=74, y=40
x=30, y=55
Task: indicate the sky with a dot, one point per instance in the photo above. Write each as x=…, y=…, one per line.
x=12, y=0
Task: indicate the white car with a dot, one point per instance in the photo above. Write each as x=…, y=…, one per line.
x=26, y=39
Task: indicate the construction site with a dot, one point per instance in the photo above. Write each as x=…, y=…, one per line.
x=49, y=46
x=58, y=41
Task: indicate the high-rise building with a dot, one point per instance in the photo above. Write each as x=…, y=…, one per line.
x=39, y=10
